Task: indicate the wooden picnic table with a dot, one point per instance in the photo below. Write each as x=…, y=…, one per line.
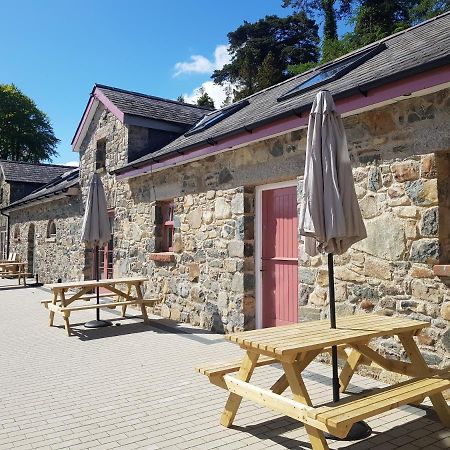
x=296, y=346
x=81, y=290
x=14, y=269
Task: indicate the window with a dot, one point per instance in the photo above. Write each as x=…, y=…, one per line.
x=216, y=116
x=16, y=232
x=51, y=229
x=167, y=226
x=100, y=154
x=333, y=71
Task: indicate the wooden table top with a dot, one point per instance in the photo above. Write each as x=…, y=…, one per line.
x=317, y=334
x=94, y=283
x=12, y=263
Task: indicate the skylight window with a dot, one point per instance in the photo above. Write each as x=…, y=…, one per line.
x=211, y=119
x=333, y=71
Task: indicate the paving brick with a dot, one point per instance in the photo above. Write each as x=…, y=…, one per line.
x=134, y=386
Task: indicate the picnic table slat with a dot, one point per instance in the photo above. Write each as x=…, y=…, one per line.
x=94, y=283
x=313, y=335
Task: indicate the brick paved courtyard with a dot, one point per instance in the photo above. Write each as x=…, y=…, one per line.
x=133, y=386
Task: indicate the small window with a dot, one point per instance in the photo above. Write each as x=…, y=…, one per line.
x=100, y=154
x=51, y=229
x=216, y=116
x=167, y=226
x=17, y=232
x=333, y=71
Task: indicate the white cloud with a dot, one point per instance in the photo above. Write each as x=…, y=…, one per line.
x=72, y=163
x=215, y=91
x=201, y=64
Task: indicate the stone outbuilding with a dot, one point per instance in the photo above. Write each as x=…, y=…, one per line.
x=210, y=215
x=17, y=180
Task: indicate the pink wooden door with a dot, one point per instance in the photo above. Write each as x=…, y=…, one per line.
x=279, y=257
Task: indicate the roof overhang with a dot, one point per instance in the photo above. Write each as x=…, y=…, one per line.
x=97, y=97
x=69, y=192
x=357, y=101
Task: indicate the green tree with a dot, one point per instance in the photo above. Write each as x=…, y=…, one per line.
x=25, y=132
x=376, y=19
x=205, y=99
x=426, y=9
x=181, y=99
x=331, y=46
x=228, y=95
x=269, y=73
x=325, y=7
x=290, y=40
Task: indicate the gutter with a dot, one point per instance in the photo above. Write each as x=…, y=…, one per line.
x=22, y=204
x=360, y=90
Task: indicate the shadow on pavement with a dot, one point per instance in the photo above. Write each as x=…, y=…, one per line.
x=378, y=439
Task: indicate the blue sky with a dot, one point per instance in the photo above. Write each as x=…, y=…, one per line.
x=54, y=51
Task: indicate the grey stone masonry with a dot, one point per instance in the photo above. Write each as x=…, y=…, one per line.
x=401, y=170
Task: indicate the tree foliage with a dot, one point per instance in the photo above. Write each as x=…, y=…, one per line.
x=371, y=19
x=205, y=99
x=25, y=132
x=181, y=99
x=262, y=51
x=325, y=7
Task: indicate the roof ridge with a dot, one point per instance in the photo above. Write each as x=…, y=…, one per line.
x=154, y=97
x=34, y=164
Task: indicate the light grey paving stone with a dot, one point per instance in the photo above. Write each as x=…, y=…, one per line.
x=134, y=386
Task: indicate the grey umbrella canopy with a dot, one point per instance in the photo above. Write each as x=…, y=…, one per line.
x=96, y=229
x=330, y=218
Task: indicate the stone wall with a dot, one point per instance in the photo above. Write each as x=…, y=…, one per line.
x=59, y=257
x=209, y=278
x=4, y=201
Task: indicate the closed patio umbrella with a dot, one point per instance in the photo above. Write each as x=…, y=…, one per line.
x=96, y=231
x=330, y=218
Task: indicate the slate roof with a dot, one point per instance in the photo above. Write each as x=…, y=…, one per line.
x=24, y=172
x=411, y=51
x=148, y=106
x=60, y=184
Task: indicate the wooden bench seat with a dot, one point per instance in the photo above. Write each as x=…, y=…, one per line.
x=105, y=305
x=223, y=368
x=84, y=297
x=344, y=414
x=338, y=418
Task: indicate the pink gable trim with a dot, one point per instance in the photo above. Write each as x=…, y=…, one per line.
x=82, y=122
x=109, y=104
x=377, y=95
x=101, y=97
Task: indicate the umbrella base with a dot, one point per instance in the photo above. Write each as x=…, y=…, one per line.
x=97, y=324
x=359, y=430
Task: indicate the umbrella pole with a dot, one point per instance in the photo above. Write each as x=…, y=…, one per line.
x=97, y=278
x=97, y=323
x=334, y=358
x=359, y=430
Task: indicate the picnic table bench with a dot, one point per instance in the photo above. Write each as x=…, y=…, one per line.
x=62, y=300
x=296, y=346
x=12, y=269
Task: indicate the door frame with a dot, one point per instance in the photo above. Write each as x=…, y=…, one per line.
x=258, y=241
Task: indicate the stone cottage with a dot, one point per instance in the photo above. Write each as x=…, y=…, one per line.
x=17, y=180
x=211, y=216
